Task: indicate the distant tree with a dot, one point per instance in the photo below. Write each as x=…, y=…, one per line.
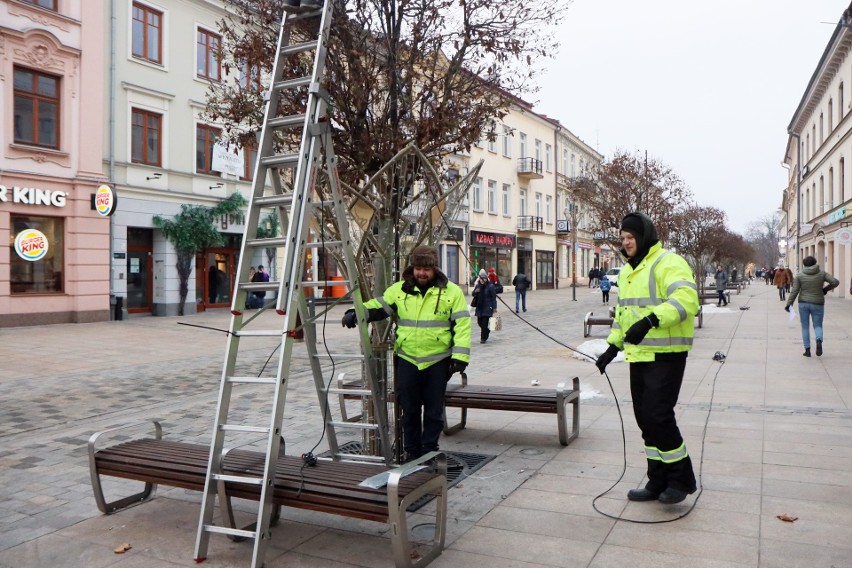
x=733, y=251
x=763, y=236
x=630, y=182
x=696, y=235
x=191, y=231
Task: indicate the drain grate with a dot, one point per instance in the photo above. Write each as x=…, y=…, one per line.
x=459, y=466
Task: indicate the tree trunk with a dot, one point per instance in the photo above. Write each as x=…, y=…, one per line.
x=184, y=268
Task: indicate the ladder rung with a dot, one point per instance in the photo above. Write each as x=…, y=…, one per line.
x=237, y=479
x=339, y=355
x=292, y=83
x=281, y=160
x=354, y=425
x=259, y=286
x=269, y=200
x=353, y=392
x=298, y=47
x=229, y=531
x=291, y=121
x=310, y=283
x=267, y=243
x=322, y=244
x=241, y=428
x=256, y=380
x=260, y=333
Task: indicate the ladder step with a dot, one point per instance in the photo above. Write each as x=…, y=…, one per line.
x=237, y=479
x=292, y=83
x=338, y=355
x=309, y=283
x=259, y=286
x=298, y=47
x=271, y=242
x=323, y=244
x=291, y=121
x=270, y=200
x=288, y=160
x=354, y=425
x=353, y=392
x=260, y=333
x=255, y=380
x=229, y=531
x=241, y=428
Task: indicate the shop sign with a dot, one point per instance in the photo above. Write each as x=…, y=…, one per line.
x=481, y=239
x=228, y=159
x=843, y=236
x=32, y=196
x=31, y=244
x=104, y=201
x=837, y=215
x=226, y=221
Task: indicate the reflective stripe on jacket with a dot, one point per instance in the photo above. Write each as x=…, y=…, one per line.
x=662, y=285
x=430, y=327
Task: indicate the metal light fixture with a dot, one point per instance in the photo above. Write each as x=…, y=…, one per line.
x=155, y=175
x=218, y=185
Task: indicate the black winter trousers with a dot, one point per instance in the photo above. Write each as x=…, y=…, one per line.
x=655, y=387
x=484, y=332
x=420, y=395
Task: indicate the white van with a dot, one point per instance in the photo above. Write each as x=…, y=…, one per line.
x=612, y=275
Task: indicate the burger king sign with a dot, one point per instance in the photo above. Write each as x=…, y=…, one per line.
x=31, y=244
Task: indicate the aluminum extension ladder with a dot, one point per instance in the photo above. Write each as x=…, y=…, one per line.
x=296, y=208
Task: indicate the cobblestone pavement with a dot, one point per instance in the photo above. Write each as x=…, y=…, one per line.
x=778, y=440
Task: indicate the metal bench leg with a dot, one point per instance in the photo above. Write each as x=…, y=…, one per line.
x=145, y=495
x=564, y=397
x=397, y=511
x=449, y=430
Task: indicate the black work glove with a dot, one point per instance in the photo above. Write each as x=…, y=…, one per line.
x=350, y=318
x=606, y=358
x=787, y=309
x=456, y=366
x=825, y=291
x=640, y=329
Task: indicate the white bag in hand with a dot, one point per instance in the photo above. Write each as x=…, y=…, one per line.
x=495, y=323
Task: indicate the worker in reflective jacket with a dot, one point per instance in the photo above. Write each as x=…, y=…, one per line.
x=432, y=343
x=654, y=326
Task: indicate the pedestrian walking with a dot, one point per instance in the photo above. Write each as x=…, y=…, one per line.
x=781, y=282
x=721, y=285
x=432, y=343
x=485, y=304
x=657, y=304
x=260, y=276
x=522, y=283
x=605, y=286
x=809, y=287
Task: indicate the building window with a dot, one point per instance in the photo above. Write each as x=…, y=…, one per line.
x=523, y=212
x=492, y=138
x=249, y=75
x=831, y=187
x=821, y=130
x=840, y=102
x=147, y=33
x=47, y=4
x=492, y=197
x=36, y=108
x=548, y=209
x=830, y=115
x=205, y=138
x=842, y=180
x=538, y=150
x=44, y=275
x=548, y=150
x=207, y=55
x=821, y=195
x=565, y=161
x=145, y=137
x=523, y=138
x=477, y=194
x=507, y=195
x=250, y=153
x=573, y=165
x=538, y=204
x=507, y=142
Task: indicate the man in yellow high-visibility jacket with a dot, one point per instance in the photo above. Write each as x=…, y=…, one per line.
x=654, y=325
x=432, y=343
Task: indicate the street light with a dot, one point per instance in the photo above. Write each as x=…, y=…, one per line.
x=572, y=210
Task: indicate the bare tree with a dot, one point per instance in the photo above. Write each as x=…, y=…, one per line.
x=630, y=182
x=763, y=236
x=696, y=235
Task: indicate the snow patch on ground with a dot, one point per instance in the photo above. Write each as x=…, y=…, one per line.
x=594, y=348
x=714, y=309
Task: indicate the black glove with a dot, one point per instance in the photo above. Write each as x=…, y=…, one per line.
x=825, y=291
x=606, y=358
x=350, y=318
x=640, y=329
x=787, y=309
x=456, y=366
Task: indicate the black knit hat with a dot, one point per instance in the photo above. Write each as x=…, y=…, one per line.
x=633, y=224
x=424, y=257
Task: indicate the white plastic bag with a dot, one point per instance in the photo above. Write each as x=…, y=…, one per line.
x=495, y=323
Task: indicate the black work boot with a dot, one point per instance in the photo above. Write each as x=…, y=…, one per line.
x=642, y=494
x=671, y=496
x=819, y=347
x=807, y=352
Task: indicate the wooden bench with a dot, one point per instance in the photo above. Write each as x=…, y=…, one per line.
x=330, y=486
x=552, y=401
x=591, y=319
x=713, y=296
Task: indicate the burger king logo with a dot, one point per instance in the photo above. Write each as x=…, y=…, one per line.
x=104, y=201
x=31, y=244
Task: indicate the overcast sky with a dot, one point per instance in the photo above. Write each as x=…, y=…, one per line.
x=706, y=87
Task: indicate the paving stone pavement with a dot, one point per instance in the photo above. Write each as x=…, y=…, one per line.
x=770, y=430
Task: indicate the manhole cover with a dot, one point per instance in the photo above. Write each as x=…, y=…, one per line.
x=532, y=451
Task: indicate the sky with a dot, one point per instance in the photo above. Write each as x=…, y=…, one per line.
x=707, y=88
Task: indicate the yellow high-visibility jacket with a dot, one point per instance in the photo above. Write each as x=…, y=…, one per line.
x=662, y=284
x=429, y=327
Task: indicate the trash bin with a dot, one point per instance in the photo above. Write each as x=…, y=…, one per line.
x=119, y=308
x=338, y=291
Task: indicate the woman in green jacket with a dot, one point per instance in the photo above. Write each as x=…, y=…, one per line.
x=808, y=286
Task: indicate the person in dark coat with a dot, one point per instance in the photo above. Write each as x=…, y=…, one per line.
x=721, y=285
x=522, y=283
x=485, y=301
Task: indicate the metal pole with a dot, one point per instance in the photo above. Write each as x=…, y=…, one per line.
x=574, y=248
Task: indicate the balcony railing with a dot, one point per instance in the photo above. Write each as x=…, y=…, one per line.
x=530, y=168
x=530, y=224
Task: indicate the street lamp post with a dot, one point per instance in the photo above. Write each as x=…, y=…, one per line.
x=572, y=209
